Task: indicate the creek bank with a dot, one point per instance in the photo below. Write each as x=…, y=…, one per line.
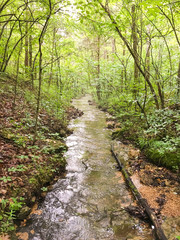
x=26, y=170
x=158, y=185
x=157, y=134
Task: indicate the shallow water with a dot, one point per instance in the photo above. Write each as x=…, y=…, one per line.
x=88, y=203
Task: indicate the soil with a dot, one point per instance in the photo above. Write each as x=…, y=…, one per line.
x=154, y=183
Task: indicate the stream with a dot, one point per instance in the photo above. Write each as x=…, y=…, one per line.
x=88, y=203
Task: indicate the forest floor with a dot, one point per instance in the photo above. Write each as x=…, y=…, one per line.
x=157, y=184
x=27, y=170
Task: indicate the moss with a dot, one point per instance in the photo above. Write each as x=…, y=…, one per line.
x=125, y=133
x=6, y=133
x=168, y=159
x=162, y=152
x=119, y=134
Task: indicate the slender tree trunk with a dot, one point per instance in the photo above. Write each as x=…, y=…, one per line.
x=30, y=60
x=52, y=58
x=106, y=9
x=123, y=70
x=3, y=5
x=4, y=60
x=5, y=63
x=40, y=73
x=59, y=71
x=98, y=86
x=147, y=66
x=135, y=48
x=113, y=48
x=158, y=83
x=178, y=83
x=16, y=79
x=26, y=58
x=141, y=34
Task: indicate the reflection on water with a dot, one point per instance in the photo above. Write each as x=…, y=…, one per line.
x=88, y=203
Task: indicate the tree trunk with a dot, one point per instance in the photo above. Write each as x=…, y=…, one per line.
x=123, y=72
x=158, y=76
x=26, y=59
x=3, y=5
x=113, y=48
x=30, y=60
x=59, y=71
x=147, y=66
x=4, y=60
x=52, y=58
x=40, y=73
x=178, y=82
x=16, y=78
x=135, y=47
x=132, y=53
x=98, y=86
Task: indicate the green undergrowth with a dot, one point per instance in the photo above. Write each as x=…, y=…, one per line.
x=28, y=169
x=157, y=134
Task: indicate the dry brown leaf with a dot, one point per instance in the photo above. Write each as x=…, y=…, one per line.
x=32, y=232
x=3, y=191
x=35, y=211
x=5, y=237
x=22, y=236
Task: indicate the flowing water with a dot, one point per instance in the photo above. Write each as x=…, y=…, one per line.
x=88, y=204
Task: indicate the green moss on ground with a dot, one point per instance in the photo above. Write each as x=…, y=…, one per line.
x=159, y=141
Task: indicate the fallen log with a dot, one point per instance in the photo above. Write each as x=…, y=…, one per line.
x=142, y=201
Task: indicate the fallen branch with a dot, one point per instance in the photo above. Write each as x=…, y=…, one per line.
x=142, y=201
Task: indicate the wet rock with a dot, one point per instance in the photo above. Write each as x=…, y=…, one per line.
x=24, y=212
